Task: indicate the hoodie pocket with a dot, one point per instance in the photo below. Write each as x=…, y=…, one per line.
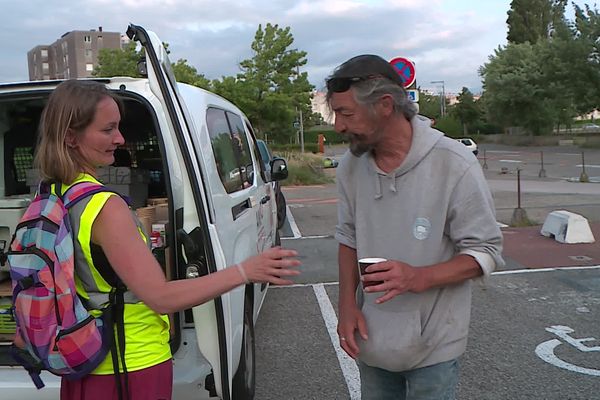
x=394, y=342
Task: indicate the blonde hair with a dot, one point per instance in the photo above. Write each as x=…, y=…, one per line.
x=72, y=105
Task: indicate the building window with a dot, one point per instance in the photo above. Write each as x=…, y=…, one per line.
x=44, y=53
x=88, y=54
x=87, y=39
x=46, y=77
x=45, y=67
x=89, y=67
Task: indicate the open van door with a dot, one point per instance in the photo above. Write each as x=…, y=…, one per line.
x=190, y=199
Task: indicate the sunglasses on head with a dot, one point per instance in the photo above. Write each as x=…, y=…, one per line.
x=338, y=85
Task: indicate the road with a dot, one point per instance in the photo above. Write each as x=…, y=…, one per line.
x=534, y=333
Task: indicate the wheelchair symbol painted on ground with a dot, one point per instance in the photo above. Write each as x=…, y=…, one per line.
x=545, y=350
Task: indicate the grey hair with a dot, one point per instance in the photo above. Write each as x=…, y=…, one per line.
x=368, y=92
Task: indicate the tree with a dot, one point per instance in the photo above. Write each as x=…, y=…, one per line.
x=271, y=89
x=118, y=62
x=466, y=110
x=185, y=73
x=533, y=20
x=514, y=87
x=429, y=105
x=586, y=50
x=313, y=119
x=123, y=62
x=553, y=79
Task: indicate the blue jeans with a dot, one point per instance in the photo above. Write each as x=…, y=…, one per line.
x=435, y=382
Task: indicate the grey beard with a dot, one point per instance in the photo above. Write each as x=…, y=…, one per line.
x=358, y=149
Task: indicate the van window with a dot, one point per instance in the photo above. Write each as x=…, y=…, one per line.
x=231, y=149
x=262, y=152
x=241, y=148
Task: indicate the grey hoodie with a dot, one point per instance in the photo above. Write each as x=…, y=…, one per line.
x=435, y=205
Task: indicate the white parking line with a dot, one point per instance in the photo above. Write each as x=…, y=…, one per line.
x=506, y=272
x=588, y=166
x=292, y=223
x=536, y=270
x=307, y=237
x=347, y=364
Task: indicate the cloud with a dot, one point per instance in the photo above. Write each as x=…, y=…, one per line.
x=448, y=40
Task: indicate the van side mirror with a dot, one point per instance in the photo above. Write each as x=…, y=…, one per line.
x=279, y=170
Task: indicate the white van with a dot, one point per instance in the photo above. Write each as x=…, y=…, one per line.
x=192, y=169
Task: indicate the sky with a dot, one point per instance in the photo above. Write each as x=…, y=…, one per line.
x=447, y=40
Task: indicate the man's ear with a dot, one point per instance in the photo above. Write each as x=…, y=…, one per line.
x=386, y=104
x=71, y=139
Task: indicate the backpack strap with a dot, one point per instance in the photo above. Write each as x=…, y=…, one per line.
x=80, y=191
x=117, y=303
x=32, y=366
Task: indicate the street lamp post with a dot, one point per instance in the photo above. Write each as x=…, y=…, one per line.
x=442, y=99
x=300, y=112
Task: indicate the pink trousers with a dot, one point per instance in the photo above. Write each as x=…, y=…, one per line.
x=153, y=383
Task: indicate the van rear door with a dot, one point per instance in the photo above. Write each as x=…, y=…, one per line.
x=191, y=194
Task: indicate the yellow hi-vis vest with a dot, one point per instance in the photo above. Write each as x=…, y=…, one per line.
x=146, y=332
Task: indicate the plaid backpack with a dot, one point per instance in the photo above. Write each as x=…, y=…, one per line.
x=58, y=332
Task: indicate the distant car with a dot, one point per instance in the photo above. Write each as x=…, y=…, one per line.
x=591, y=127
x=470, y=143
x=330, y=162
x=267, y=157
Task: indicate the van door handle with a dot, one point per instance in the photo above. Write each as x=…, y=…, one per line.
x=265, y=199
x=239, y=208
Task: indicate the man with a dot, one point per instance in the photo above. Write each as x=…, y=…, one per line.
x=412, y=196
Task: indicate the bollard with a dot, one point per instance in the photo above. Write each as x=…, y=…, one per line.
x=519, y=217
x=542, y=173
x=485, y=166
x=583, y=177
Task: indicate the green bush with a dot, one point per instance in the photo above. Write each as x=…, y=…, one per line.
x=331, y=136
x=485, y=128
x=450, y=126
x=305, y=169
x=282, y=148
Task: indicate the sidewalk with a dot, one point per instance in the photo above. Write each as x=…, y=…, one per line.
x=528, y=248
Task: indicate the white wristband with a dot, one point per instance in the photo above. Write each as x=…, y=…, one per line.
x=242, y=273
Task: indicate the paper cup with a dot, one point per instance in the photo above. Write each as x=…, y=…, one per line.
x=363, y=263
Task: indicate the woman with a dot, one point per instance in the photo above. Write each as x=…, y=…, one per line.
x=79, y=132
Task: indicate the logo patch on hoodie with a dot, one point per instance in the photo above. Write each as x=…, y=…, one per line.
x=421, y=228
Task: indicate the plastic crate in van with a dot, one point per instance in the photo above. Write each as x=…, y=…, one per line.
x=7, y=323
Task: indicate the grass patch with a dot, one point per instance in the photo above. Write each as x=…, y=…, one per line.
x=305, y=169
x=520, y=219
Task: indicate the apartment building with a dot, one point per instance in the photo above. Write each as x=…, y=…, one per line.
x=74, y=55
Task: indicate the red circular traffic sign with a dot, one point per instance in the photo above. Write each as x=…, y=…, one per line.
x=406, y=69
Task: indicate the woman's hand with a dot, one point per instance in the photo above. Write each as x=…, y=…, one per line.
x=271, y=266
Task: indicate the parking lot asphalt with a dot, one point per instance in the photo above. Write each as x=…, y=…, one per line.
x=534, y=322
